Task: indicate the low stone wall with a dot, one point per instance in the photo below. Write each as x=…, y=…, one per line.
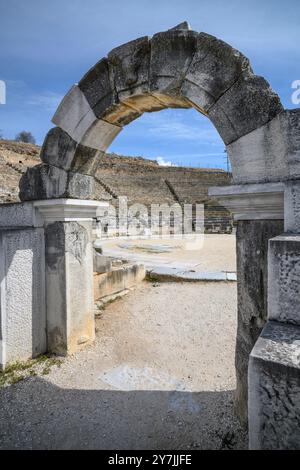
x=117, y=280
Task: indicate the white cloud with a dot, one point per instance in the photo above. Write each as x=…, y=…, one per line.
x=48, y=100
x=162, y=162
x=180, y=125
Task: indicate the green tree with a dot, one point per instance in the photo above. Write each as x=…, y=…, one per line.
x=26, y=137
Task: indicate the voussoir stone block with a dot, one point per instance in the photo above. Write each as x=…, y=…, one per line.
x=214, y=68
x=284, y=279
x=263, y=154
x=274, y=389
x=184, y=26
x=49, y=182
x=98, y=87
x=59, y=149
x=74, y=114
x=248, y=104
x=76, y=117
x=171, y=55
x=130, y=65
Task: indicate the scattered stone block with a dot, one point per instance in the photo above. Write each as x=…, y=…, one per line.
x=102, y=264
x=117, y=280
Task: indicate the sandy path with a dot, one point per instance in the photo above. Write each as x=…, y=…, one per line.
x=205, y=253
x=160, y=376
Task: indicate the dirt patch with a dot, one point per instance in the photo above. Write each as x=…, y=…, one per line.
x=160, y=375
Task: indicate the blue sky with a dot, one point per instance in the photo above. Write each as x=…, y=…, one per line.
x=46, y=46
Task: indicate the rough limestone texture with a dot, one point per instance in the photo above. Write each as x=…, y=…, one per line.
x=59, y=149
x=49, y=182
x=101, y=263
x=97, y=87
x=19, y=215
x=117, y=280
x=130, y=67
x=274, y=393
x=252, y=252
x=292, y=206
x=171, y=55
x=76, y=117
x=22, y=295
x=69, y=297
x=247, y=105
x=269, y=153
x=214, y=69
x=178, y=68
x=284, y=276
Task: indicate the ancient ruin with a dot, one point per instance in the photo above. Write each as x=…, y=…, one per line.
x=46, y=240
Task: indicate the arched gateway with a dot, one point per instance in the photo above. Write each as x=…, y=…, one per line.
x=178, y=68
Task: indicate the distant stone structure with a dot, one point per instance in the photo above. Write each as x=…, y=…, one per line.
x=48, y=236
x=141, y=180
x=145, y=182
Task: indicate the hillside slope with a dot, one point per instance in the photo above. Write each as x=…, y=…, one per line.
x=141, y=180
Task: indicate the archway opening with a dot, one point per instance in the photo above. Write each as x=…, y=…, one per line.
x=181, y=323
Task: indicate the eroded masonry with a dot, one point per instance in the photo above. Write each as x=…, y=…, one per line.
x=45, y=240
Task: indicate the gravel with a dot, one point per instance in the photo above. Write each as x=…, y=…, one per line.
x=159, y=376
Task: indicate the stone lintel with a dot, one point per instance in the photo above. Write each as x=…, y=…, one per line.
x=66, y=210
x=252, y=201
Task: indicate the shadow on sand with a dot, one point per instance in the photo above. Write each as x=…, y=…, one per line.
x=36, y=414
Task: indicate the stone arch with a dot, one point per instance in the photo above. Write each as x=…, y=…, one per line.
x=178, y=68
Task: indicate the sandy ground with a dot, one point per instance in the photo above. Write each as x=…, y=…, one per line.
x=159, y=376
x=203, y=253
